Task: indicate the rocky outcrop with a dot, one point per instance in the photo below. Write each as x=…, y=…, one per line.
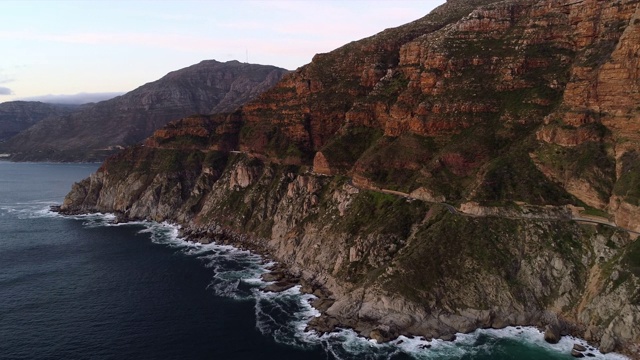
x=338, y=170
x=101, y=129
x=518, y=211
x=598, y=107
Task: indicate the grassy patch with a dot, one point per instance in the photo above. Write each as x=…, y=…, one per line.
x=514, y=177
x=216, y=159
x=452, y=248
x=628, y=184
x=391, y=89
x=589, y=161
x=595, y=212
x=344, y=149
x=632, y=258
x=185, y=141
x=395, y=162
x=383, y=213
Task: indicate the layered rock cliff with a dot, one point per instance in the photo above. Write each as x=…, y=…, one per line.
x=357, y=169
x=106, y=127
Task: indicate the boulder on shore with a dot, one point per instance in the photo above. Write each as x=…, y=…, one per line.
x=552, y=334
x=578, y=347
x=577, y=354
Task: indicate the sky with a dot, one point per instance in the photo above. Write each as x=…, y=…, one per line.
x=89, y=49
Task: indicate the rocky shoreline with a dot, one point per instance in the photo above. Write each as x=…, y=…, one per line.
x=371, y=311
x=280, y=275
x=281, y=278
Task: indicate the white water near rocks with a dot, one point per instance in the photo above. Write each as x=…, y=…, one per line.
x=284, y=315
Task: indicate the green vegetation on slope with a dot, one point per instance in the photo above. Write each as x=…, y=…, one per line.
x=628, y=185
x=514, y=177
x=588, y=161
x=346, y=147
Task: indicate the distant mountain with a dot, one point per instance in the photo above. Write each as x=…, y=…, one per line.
x=16, y=116
x=100, y=129
x=74, y=99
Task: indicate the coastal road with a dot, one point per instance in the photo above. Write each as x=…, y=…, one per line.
x=453, y=210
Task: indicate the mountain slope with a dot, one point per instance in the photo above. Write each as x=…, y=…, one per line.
x=16, y=116
x=433, y=178
x=99, y=130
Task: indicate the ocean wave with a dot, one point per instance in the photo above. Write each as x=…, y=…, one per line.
x=36, y=209
x=284, y=315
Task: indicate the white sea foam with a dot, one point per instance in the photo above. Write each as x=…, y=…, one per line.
x=30, y=210
x=345, y=343
x=535, y=337
x=285, y=315
x=94, y=220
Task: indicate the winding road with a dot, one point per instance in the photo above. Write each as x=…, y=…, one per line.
x=453, y=210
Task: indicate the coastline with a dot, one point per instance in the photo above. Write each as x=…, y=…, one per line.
x=372, y=252
x=282, y=279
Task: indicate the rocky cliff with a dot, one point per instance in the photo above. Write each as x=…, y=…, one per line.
x=518, y=112
x=16, y=116
x=106, y=127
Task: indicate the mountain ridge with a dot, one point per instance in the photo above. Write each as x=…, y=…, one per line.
x=16, y=116
x=495, y=107
x=103, y=128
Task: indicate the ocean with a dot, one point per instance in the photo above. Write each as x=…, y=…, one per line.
x=81, y=287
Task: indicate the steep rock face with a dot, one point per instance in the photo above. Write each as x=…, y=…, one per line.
x=108, y=126
x=16, y=116
x=306, y=109
x=393, y=265
x=598, y=117
x=546, y=87
x=484, y=105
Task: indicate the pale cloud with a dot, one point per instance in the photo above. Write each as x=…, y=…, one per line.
x=4, y=78
x=75, y=99
x=88, y=38
x=242, y=25
x=314, y=8
x=323, y=25
x=173, y=17
x=331, y=20
x=5, y=91
x=184, y=43
x=131, y=42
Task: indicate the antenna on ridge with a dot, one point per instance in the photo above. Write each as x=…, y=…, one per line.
x=247, y=50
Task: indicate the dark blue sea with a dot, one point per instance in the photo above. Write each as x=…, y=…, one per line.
x=84, y=288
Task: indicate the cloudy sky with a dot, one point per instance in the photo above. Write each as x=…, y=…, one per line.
x=110, y=46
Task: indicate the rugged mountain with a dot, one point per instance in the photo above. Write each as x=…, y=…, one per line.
x=475, y=168
x=16, y=116
x=105, y=127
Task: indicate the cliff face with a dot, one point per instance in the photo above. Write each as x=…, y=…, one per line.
x=519, y=113
x=394, y=266
x=106, y=127
x=16, y=116
x=448, y=105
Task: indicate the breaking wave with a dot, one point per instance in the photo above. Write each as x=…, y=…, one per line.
x=29, y=210
x=284, y=315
